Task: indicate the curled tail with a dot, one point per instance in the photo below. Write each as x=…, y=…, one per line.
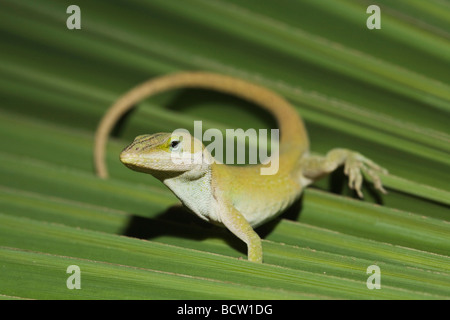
x=293, y=132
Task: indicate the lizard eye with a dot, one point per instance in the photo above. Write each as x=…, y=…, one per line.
x=174, y=145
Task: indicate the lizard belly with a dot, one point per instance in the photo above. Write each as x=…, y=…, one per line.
x=261, y=198
x=259, y=212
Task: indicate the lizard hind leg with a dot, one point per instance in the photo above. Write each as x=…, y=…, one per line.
x=355, y=165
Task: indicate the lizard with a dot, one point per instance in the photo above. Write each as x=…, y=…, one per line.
x=237, y=197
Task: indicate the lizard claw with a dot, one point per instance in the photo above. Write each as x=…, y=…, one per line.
x=355, y=165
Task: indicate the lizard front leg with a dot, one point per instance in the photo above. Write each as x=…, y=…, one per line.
x=239, y=226
x=315, y=167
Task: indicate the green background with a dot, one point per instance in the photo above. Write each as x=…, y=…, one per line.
x=384, y=93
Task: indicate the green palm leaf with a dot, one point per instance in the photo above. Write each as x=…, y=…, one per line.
x=384, y=92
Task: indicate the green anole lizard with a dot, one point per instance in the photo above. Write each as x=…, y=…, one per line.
x=237, y=197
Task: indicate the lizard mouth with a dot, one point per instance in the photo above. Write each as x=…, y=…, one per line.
x=126, y=158
x=134, y=162
x=129, y=160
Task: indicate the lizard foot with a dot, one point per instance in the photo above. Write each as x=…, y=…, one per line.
x=355, y=165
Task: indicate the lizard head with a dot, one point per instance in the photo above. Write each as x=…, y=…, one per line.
x=163, y=153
